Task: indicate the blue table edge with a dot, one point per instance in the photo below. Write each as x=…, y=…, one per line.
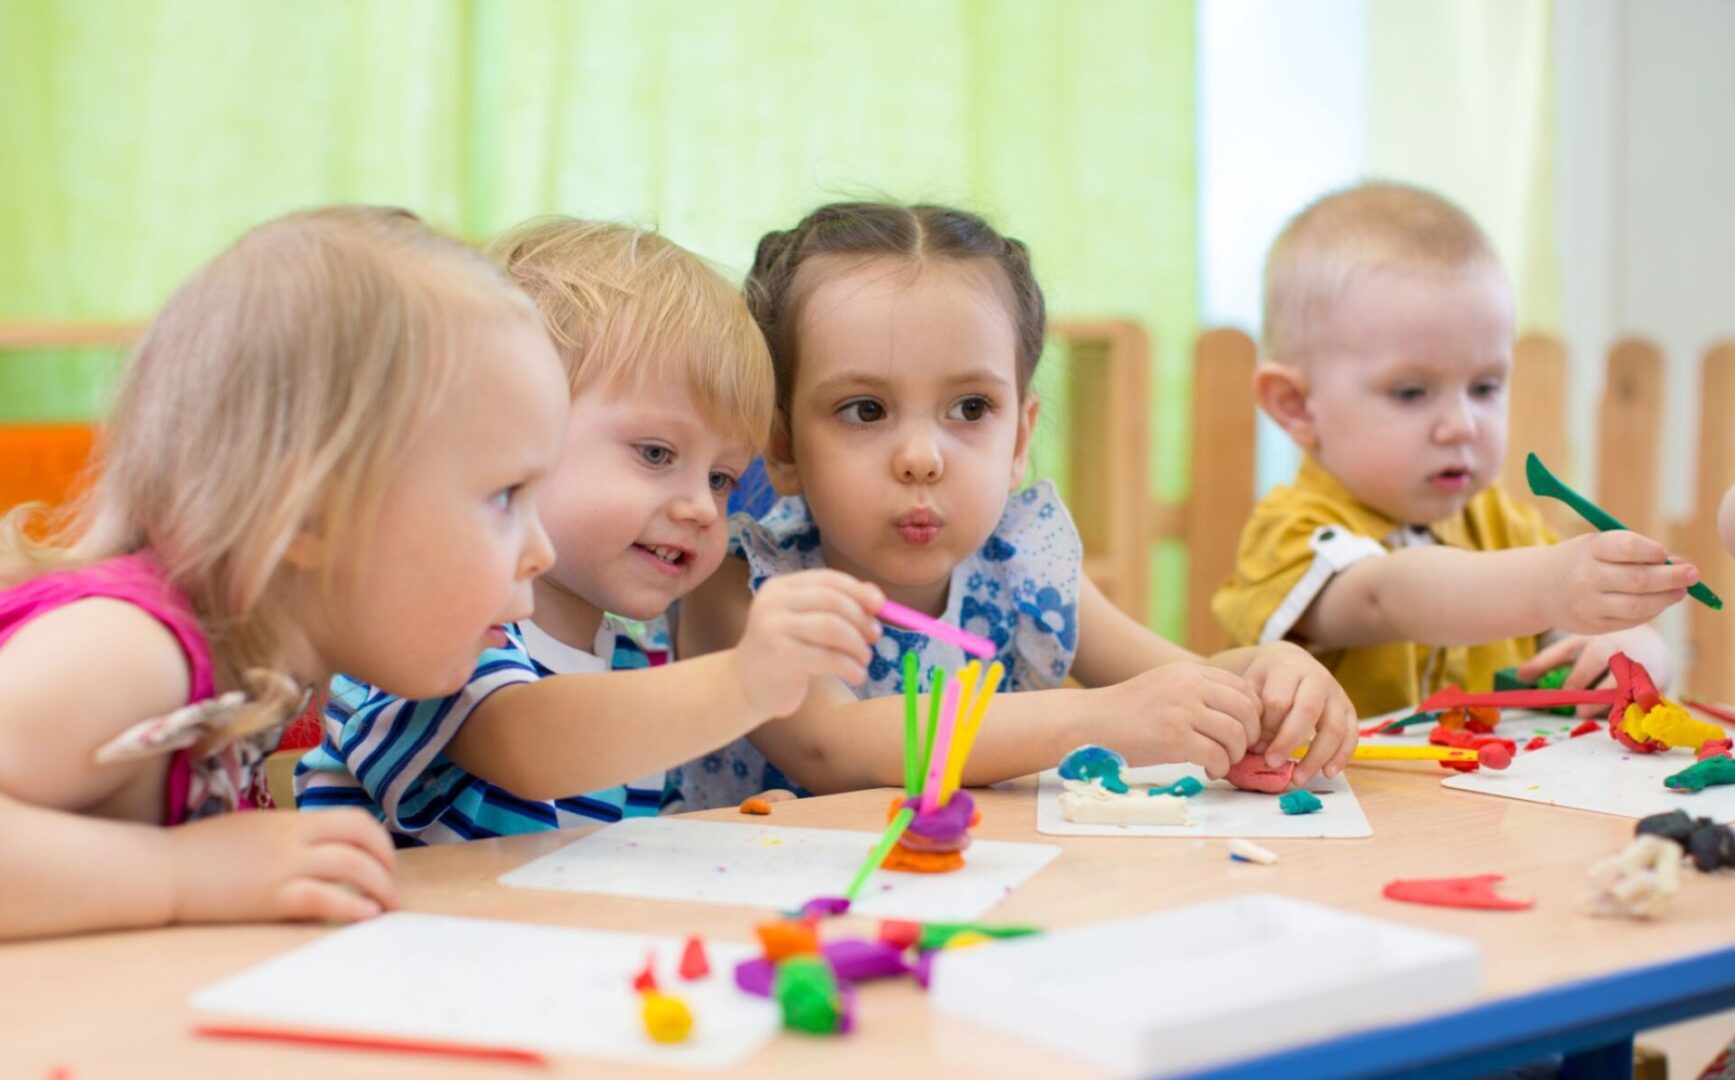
x=1591, y=1021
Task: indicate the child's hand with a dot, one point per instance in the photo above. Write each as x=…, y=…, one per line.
x=803, y=625
x=1300, y=703
x=281, y=864
x=1182, y=711
x=1610, y=581
x=1589, y=658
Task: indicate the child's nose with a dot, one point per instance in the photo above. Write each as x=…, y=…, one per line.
x=1457, y=424
x=537, y=558
x=698, y=507
x=918, y=459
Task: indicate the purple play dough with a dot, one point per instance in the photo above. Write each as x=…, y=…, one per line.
x=858, y=960
x=754, y=976
x=945, y=822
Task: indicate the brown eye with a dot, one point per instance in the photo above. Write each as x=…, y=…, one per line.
x=970, y=410
x=865, y=411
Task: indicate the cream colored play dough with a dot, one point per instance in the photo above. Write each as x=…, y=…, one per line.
x=1092, y=804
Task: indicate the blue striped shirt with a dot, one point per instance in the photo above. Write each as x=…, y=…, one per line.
x=387, y=755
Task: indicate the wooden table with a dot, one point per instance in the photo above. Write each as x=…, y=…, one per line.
x=116, y=1004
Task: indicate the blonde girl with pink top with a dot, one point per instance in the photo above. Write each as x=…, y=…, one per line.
x=324, y=457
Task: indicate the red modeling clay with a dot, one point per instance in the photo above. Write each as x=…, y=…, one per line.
x=1585, y=728
x=1252, y=774
x=899, y=932
x=694, y=964
x=1494, y=755
x=647, y=979
x=1461, y=892
x=1715, y=748
x=1537, y=743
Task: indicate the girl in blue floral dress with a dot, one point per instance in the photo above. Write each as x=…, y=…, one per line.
x=904, y=340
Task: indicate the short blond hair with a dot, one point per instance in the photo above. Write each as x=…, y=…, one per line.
x=1369, y=227
x=630, y=308
x=275, y=394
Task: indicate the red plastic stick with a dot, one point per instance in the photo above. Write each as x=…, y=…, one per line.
x=1712, y=709
x=391, y=1043
x=1451, y=697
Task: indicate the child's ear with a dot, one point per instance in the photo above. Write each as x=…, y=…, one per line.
x=1027, y=413
x=780, y=460
x=1282, y=392
x=307, y=550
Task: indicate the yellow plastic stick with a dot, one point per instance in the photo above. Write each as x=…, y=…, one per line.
x=1415, y=753
x=966, y=736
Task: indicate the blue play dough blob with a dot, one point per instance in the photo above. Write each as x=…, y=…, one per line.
x=1299, y=802
x=1089, y=763
x=1186, y=787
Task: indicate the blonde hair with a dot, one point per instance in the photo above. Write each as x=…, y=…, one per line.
x=1369, y=227
x=629, y=308
x=274, y=394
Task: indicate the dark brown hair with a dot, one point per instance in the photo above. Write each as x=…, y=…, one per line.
x=915, y=233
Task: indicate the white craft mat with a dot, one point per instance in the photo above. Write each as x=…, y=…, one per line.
x=1171, y=992
x=1594, y=772
x=775, y=867
x=550, y=989
x=1220, y=810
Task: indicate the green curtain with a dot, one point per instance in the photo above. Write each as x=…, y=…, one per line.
x=1461, y=99
x=143, y=136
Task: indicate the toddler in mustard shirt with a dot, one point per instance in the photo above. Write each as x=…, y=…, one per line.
x=1393, y=555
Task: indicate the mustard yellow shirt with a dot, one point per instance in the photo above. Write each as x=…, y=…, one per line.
x=1296, y=540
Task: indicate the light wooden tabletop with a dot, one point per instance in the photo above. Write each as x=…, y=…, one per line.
x=116, y=1004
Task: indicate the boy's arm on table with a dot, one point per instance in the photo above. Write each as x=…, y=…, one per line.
x=568, y=733
x=1439, y=595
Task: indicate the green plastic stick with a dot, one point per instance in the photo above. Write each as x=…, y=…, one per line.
x=936, y=684
x=1546, y=484
x=878, y=854
x=912, y=669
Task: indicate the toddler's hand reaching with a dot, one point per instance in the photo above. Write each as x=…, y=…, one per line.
x=1609, y=581
x=803, y=625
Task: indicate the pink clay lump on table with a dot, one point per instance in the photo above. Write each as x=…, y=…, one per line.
x=1252, y=774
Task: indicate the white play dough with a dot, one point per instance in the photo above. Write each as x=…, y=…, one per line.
x=1252, y=852
x=1092, y=804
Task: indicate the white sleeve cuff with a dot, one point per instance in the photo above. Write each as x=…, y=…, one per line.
x=1335, y=549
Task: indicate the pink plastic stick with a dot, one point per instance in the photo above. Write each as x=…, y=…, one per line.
x=942, y=746
x=899, y=615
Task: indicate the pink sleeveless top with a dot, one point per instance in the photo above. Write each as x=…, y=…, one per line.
x=137, y=580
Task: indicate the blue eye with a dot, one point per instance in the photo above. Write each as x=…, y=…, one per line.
x=655, y=455
x=865, y=410
x=1486, y=390
x=970, y=409
x=502, y=499
x=722, y=483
